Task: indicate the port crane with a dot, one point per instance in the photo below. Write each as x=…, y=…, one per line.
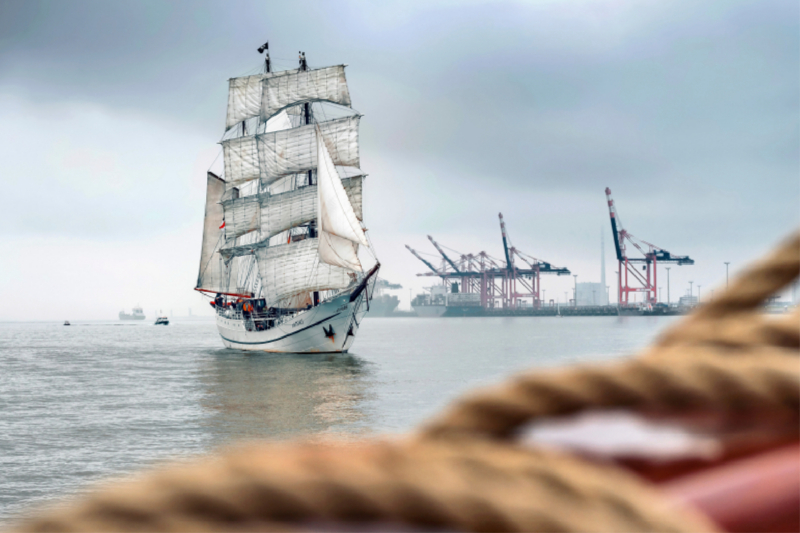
x=439, y=249
x=483, y=275
x=630, y=279
x=427, y=263
x=529, y=278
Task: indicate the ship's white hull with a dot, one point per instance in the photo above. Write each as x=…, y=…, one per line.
x=305, y=332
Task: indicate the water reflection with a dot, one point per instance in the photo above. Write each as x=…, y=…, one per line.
x=255, y=396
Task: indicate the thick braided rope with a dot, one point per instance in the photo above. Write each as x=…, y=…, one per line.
x=698, y=380
x=756, y=283
x=425, y=486
x=734, y=311
x=741, y=331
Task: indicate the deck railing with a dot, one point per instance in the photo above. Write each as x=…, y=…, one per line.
x=255, y=320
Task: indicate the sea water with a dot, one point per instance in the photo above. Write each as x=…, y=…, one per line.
x=96, y=400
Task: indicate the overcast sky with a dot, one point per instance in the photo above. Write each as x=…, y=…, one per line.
x=111, y=112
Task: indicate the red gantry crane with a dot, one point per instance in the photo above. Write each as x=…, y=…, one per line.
x=630, y=279
x=529, y=279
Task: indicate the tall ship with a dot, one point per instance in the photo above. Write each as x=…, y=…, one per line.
x=137, y=313
x=284, y=223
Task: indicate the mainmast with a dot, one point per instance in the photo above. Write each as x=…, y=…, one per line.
x=312, y=226
x=307, y=120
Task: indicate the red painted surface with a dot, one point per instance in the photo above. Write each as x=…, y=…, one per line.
x=760, y=493
x=226, y=293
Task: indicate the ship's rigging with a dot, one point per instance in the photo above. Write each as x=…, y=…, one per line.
x=284, y=222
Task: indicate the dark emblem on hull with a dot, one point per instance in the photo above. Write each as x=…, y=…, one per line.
x=329, y=332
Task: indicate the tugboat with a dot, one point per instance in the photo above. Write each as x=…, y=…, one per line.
x=283, y=225
x=162, y=321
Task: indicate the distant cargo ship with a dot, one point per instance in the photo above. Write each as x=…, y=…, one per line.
x=383, y=304
x=431, y=305
x=136, y=314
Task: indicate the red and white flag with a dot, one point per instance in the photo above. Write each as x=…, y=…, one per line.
x=223, y=225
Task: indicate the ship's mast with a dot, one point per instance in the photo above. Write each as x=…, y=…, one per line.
x=306, y=107
x=267, y=63
x=263, y=49
x=312, y=226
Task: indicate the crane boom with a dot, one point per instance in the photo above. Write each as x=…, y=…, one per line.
x=439, y=249
x=612, y=211
x=410, y=249
x=505, y=241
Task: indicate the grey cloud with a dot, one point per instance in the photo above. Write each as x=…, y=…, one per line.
x=688, y=110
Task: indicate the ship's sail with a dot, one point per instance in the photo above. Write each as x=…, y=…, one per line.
x=241, y=153
x=244, y=97
x=275, y=154
x=272, y=214
x=242, y=215
x=241, y=160
x=295, y=150
x=281, y=121
x=338, y=252
x=290, y=88
x=336, y=215
x=289, y=270
x=215, y=272
x=340, y=231
x=287, y=210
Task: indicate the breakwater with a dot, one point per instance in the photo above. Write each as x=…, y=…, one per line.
x=565, y=311
x=594, y=310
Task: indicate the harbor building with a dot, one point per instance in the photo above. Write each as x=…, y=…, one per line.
x=592, y=294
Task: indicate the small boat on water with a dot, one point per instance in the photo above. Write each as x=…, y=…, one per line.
x=283, y=225
x=66, y=323
x=162, y=321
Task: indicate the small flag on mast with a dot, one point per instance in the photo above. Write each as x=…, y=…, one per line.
x=223, y=225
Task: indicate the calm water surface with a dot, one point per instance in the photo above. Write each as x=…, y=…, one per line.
x=94, y=400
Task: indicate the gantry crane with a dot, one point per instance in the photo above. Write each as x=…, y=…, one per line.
x=629, y=278
x=439, y=249
x=482, y=274
x=529, y=278
x=416, y=254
